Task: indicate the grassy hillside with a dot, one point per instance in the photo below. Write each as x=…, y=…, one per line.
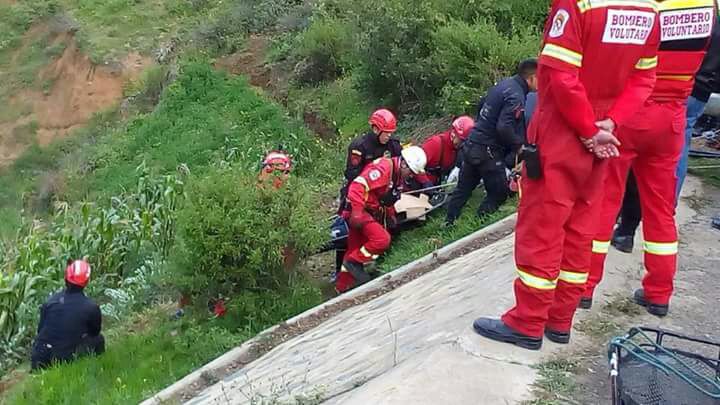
x=331, y=61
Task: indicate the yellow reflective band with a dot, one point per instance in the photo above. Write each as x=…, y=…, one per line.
x=661, y=249
x=563, y=54
x=679, y=78
x=536, y=282
x=668, y=5
x=587, y=5
x=361, y=180
x=368, y=254
x=647, y=63
x=601, y=247
x=573, y=277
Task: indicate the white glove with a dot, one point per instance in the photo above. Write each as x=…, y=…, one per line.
x=454, y=175
x=507, y=173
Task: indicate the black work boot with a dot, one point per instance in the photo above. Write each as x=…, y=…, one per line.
x=623, y=243
x=495, y=329
x=716, y=223
x=562, y=338
x=658, y=310
x=585, y=303
x=358, y=272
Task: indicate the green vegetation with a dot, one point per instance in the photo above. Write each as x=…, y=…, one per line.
x=555, y=384
x=202, y=137
x=148, y=352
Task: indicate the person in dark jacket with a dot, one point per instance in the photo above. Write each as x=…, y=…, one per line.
x=707, y=81
x=494, y=142
x=70, y=323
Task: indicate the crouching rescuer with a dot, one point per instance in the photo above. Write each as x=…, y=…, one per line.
x=371, y=197
x=70, y=322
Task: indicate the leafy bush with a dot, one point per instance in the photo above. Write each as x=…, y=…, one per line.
x=233, y=234
x=395, y=42
x=472, y=57
x=324, y=50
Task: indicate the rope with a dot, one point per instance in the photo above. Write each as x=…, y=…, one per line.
x=635, y=350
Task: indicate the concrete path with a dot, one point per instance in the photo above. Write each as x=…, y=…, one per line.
x=414, y=345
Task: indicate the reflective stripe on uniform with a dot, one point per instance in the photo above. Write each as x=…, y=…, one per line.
x=368, y=254
x=601, y=246
x=661, y=249
x=587, y=5
x=668, y=5
x=573, y=277
x=647, y=63
x=679, y=78
x=563, y=54
x=536, y=282
x=361, y=180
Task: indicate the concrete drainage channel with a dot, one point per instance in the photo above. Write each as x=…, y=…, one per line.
x=234, y=360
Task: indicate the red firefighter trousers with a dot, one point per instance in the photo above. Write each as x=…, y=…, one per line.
x=651, y=146
x=364, y=245
x=554, y=229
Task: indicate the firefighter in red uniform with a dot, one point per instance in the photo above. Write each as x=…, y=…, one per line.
x=442, y=152
x=652, y=143
x=597, y=67
x=276, y=169
x=372, y=196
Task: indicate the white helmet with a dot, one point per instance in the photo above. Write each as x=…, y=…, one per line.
x=415, y=158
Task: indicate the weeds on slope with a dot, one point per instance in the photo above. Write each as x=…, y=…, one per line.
x=150, y=351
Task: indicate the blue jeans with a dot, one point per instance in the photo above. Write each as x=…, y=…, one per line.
x=530, y=103
x=695, y=109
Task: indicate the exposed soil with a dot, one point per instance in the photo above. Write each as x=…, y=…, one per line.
x=272, y=78
x=287, y=331
x=77, y=89
x=9, y=380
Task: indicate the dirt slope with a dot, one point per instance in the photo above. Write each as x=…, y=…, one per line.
x=77, y=89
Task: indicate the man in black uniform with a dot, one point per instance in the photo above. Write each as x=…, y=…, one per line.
x=497, y=137
x=70, y=323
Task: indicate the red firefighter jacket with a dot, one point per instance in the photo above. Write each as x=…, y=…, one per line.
x=376, y=179
x=685, y=31
x=598, y=59
x=441, y=158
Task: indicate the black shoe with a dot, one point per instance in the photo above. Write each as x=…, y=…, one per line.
x=585, y=303
x=716, y=223
x=623, y=243
x=654, y=309
x=496, y=330
x=562, y=338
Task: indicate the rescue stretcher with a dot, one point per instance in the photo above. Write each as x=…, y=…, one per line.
x=413, y=207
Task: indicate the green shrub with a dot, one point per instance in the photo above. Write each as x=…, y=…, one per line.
x=472, y=57
x=233, y=233
x=324, y=50
x=395, y=41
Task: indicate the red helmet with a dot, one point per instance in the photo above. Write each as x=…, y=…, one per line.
x=462, y=126
x=277, y=161
x=384, y=120
x=78, y=273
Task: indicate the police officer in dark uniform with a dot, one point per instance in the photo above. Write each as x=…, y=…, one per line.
x=366, y=148
x=70, y=322
x=497, y=137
